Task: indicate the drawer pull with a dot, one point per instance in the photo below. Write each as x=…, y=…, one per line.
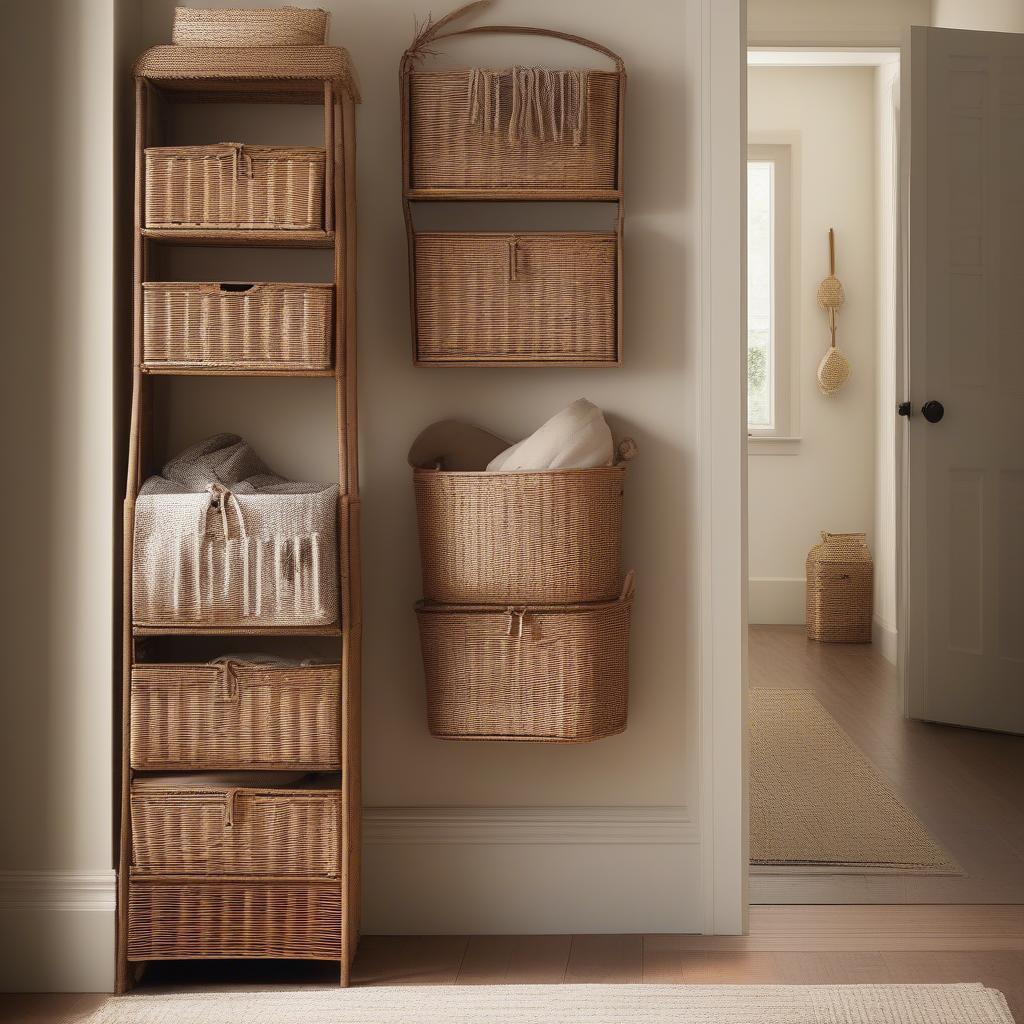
x=513, y=259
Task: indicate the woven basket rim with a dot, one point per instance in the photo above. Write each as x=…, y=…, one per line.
x=241, y=495
x=215, y=285
x=434, y=608
x=519, y=474
x=249, y=666
x=329, y=791
x=602, y=236
x=462, y=69
x=227, y=149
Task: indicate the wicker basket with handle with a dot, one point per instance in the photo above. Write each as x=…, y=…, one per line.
x=286, y=918
x=231, y=185
x=249, y=26
x=551, y=673
x=251, y=326
x=493, y=297
x=234, y=715
x=225, y=830
x=513, y=129
x=840, y=589
x=223, y=558
x=552, y=537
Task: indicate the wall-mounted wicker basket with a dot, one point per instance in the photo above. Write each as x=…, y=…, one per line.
x=220, y=830
x=251, y=326
x=530, y=297
x=234, y=715
x=520, y=538
x=840, y=589
x=236, y=559
x=230, y=185
x=171, y=919
x=555, y=673
x=253, y=26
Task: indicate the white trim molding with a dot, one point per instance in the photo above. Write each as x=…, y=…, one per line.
x=64, y=924
x=515, y=870
x=720, y=29
x=885, y=639
x=527, y=826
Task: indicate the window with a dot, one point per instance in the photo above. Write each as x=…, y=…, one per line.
x=769, y=409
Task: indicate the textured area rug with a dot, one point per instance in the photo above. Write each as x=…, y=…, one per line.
x=816, y=800
x=587, y=1004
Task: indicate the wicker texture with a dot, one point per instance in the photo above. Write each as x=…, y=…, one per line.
x=554, y=674
x=251, y=326
x=450, y=148
x=234, y=716
x=234, y=186
x=253, y=559
x=260, y=26
x=840, y=589
x=494, y=296
x=520, y=538
x=229, y=831
x=180, y=920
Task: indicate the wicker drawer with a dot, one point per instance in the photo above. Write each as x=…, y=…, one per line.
x=234, y=186
x=179, y=920
x=491, y=297
x=557, y=674
x=449, y=148
x=520, y=538
x=235, y=831
x=234, y=716
x=248, y=326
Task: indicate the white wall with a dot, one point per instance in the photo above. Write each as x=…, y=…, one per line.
x=979, y=15
x=828, y=484
x=56, y=419
x=651, y=398
x=855, y=23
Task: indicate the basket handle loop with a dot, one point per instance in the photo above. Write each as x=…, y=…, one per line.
x=220, y=498
x=513, y=258
x=228, y=677
x=628, y=586
x=229, y=808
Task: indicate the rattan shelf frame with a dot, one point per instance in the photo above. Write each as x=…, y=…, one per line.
x=507, y=192
x=318, y=75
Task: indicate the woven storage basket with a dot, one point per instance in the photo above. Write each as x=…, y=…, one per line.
x=260, y=26
x=235, y=831
x=450, y=150
x=555, y=673
x=234, y=715
x=230, y=185
x=520, y=538
x=287, y=919
x=840, y=589
x=236, y=559
x=495, y=296
x=254, y=326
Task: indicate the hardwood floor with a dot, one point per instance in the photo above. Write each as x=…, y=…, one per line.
x=786, y=946
x=964, y=784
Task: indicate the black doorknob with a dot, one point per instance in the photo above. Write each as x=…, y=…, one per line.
x=905, y=409
x=933, y=411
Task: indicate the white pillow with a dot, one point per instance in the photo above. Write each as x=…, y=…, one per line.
x=576, y=438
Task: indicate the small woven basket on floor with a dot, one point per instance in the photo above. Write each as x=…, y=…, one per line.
x=259, y=26
x=509, y=297
x=554, y=673
x=840, y=589
x=234, y=715
x=211, y=831
x=236, y=559
x=230, y=185
x=547, y=538
x=250, y=325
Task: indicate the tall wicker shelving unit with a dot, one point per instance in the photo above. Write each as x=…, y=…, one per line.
x=217, y=916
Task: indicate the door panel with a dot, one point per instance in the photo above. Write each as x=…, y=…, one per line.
x=962, y=635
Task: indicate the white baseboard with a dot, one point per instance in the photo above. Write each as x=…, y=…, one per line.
x=885, y=638
x=57, y=930
x=777, y=601
x=530, y=870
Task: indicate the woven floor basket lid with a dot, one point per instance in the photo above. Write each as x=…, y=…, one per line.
x=249, y=26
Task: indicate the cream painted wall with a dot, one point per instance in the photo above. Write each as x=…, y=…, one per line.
x=56, y=417
x=653, y=765
x=979, y=15
x=834, y=22
x=829, y=483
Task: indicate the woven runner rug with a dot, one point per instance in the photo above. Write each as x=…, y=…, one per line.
x=564, y=1004
x=817, y=801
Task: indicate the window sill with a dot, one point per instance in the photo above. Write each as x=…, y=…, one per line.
x=770, y=444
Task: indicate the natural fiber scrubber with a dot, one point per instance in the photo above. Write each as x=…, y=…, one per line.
x=834, y=368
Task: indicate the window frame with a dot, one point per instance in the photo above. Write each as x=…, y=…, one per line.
x=784, y=380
